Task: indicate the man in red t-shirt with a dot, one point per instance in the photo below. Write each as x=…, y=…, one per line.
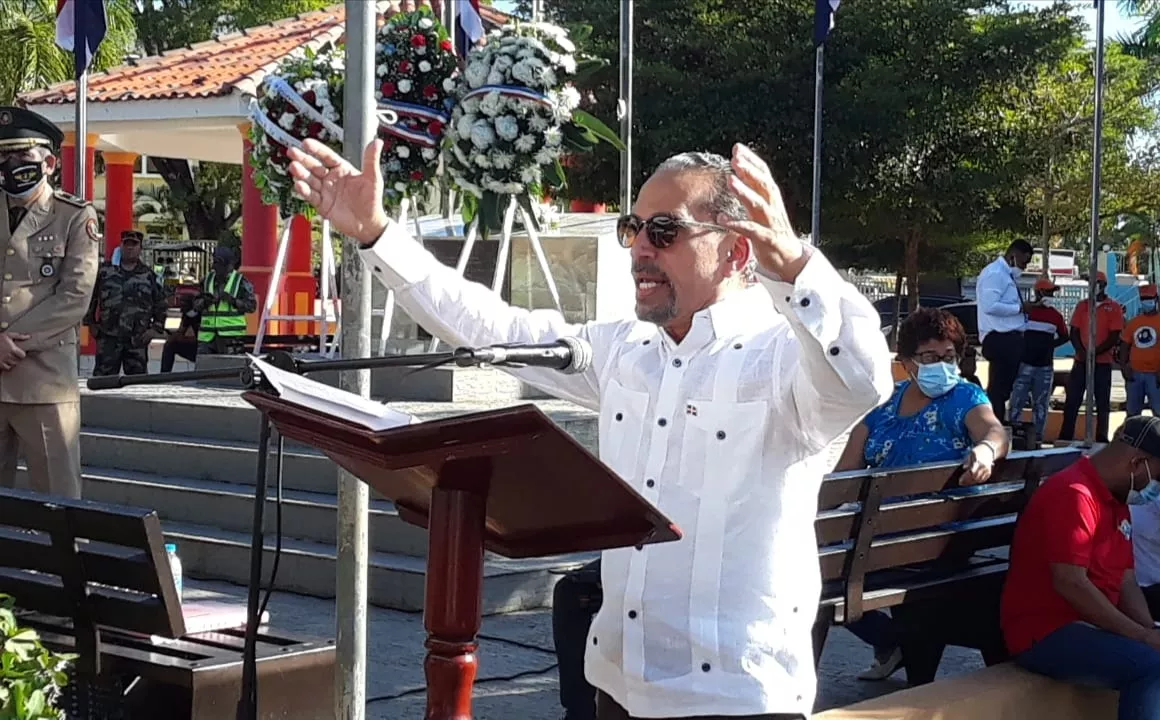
x=1071, y=607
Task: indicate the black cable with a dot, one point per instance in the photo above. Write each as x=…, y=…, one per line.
x=502, y=678
x=516, y=643
x=277, y=525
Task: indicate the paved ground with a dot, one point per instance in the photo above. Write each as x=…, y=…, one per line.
x=517, y=676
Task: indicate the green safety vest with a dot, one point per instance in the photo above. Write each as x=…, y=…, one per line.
x=222, y=319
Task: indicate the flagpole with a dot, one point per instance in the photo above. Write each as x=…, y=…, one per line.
x=624, y=107
x=1093, y=257
x=816, y=207
x=80, y=121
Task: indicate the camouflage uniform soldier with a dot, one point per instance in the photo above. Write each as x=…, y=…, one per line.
x=48, y=251
x=127, y=311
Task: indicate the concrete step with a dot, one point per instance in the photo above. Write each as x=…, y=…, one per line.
x=305, y=515
x=212, y=460
x=394, y=581
x=219, y=414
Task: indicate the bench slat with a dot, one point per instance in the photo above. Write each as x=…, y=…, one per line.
x=836, y=526
x=923, y=547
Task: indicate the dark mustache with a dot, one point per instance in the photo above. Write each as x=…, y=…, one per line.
x=648, y=268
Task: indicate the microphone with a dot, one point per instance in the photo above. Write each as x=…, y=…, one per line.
x=106, y=382
x=568, y=355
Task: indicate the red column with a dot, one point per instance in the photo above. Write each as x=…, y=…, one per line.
x=259, y=232
x=299, y=286
x=68, y=155
x=118, y=197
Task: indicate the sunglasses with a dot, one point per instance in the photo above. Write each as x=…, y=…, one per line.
x=661, y=230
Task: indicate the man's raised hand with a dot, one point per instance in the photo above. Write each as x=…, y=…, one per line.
x=351, y=200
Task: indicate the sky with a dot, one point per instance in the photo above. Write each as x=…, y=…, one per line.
x=1116, y=23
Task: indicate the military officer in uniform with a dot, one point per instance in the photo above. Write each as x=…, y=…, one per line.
x=49, y=248
x=127, y=311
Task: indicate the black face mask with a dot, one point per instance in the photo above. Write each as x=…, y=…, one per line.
x=20, y=177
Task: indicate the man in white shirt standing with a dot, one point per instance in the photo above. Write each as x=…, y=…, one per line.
x=1002, y=314
x=716, y=405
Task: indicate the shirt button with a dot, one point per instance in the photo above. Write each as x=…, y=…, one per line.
x=662, y=422
x=650, y=482
x=7, y=276
x=3, y=326
x=632, y=614
x=594, y=641
x=619, y=417
x=639, y=547
x=805, y=302
x=720, y=434
x=676, y=362
x=705, y=667
x=646, y=342
x=737, y=346
x=835, y=350
x=11, y=251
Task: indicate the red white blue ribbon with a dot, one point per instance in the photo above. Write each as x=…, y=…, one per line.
x=420, y=112
x=515, y=91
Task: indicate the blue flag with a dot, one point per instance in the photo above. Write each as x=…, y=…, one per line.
x=824, y=19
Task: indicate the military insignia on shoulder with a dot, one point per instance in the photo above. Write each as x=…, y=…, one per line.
x=46, y=269
x=69, y=199
x=91, y=230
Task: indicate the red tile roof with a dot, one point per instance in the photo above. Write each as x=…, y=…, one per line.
x=235, y=62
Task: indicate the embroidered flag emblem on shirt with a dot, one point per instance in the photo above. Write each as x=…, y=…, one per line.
x=690, y=409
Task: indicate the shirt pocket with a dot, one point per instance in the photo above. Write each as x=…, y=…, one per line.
x=44, y=259
x=623, y=413
x=722, y=440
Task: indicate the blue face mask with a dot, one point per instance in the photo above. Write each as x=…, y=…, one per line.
x=1148, y=305
x=1148, y=494
x=937, y=379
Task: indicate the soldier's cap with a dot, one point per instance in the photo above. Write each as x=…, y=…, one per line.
x=133, y=236
x=223, y=254
x=1142, y=433
x=21, y=129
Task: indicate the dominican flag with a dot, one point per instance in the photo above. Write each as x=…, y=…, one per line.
x=468, y=26
x=81, y=24
x=824, y=19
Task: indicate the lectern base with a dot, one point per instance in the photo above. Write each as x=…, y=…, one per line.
x=453, y=602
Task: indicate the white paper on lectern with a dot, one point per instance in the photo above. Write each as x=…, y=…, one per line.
x=331, y=400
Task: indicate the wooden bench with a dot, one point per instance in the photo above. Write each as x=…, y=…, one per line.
x=911, y=540
x=1001, y=692
x=94, y=579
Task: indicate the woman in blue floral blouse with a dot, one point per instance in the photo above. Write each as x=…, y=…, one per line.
x=935, y=416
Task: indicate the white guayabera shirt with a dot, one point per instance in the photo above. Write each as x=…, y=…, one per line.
x=725, y=434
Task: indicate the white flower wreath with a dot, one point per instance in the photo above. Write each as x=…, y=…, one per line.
x=517, y=114
x=301, y=99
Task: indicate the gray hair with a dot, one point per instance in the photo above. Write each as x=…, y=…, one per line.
x=722, y=200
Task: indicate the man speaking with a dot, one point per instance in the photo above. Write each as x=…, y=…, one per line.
x=715, y=404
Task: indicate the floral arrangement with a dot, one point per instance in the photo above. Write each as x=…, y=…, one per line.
x=416, y=70
x=518, y=113
x=301, y=99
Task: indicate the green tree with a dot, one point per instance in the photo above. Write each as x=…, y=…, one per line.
x=916, y=156
x=29, y=55
x=1053, y=122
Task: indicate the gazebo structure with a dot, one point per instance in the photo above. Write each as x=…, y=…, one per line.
x=193, y=103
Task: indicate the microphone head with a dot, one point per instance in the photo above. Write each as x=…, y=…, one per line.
x=581, y=354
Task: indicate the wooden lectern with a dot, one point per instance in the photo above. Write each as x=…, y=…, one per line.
x=509, y=481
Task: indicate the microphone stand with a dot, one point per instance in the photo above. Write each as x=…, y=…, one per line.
x=250, y=377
